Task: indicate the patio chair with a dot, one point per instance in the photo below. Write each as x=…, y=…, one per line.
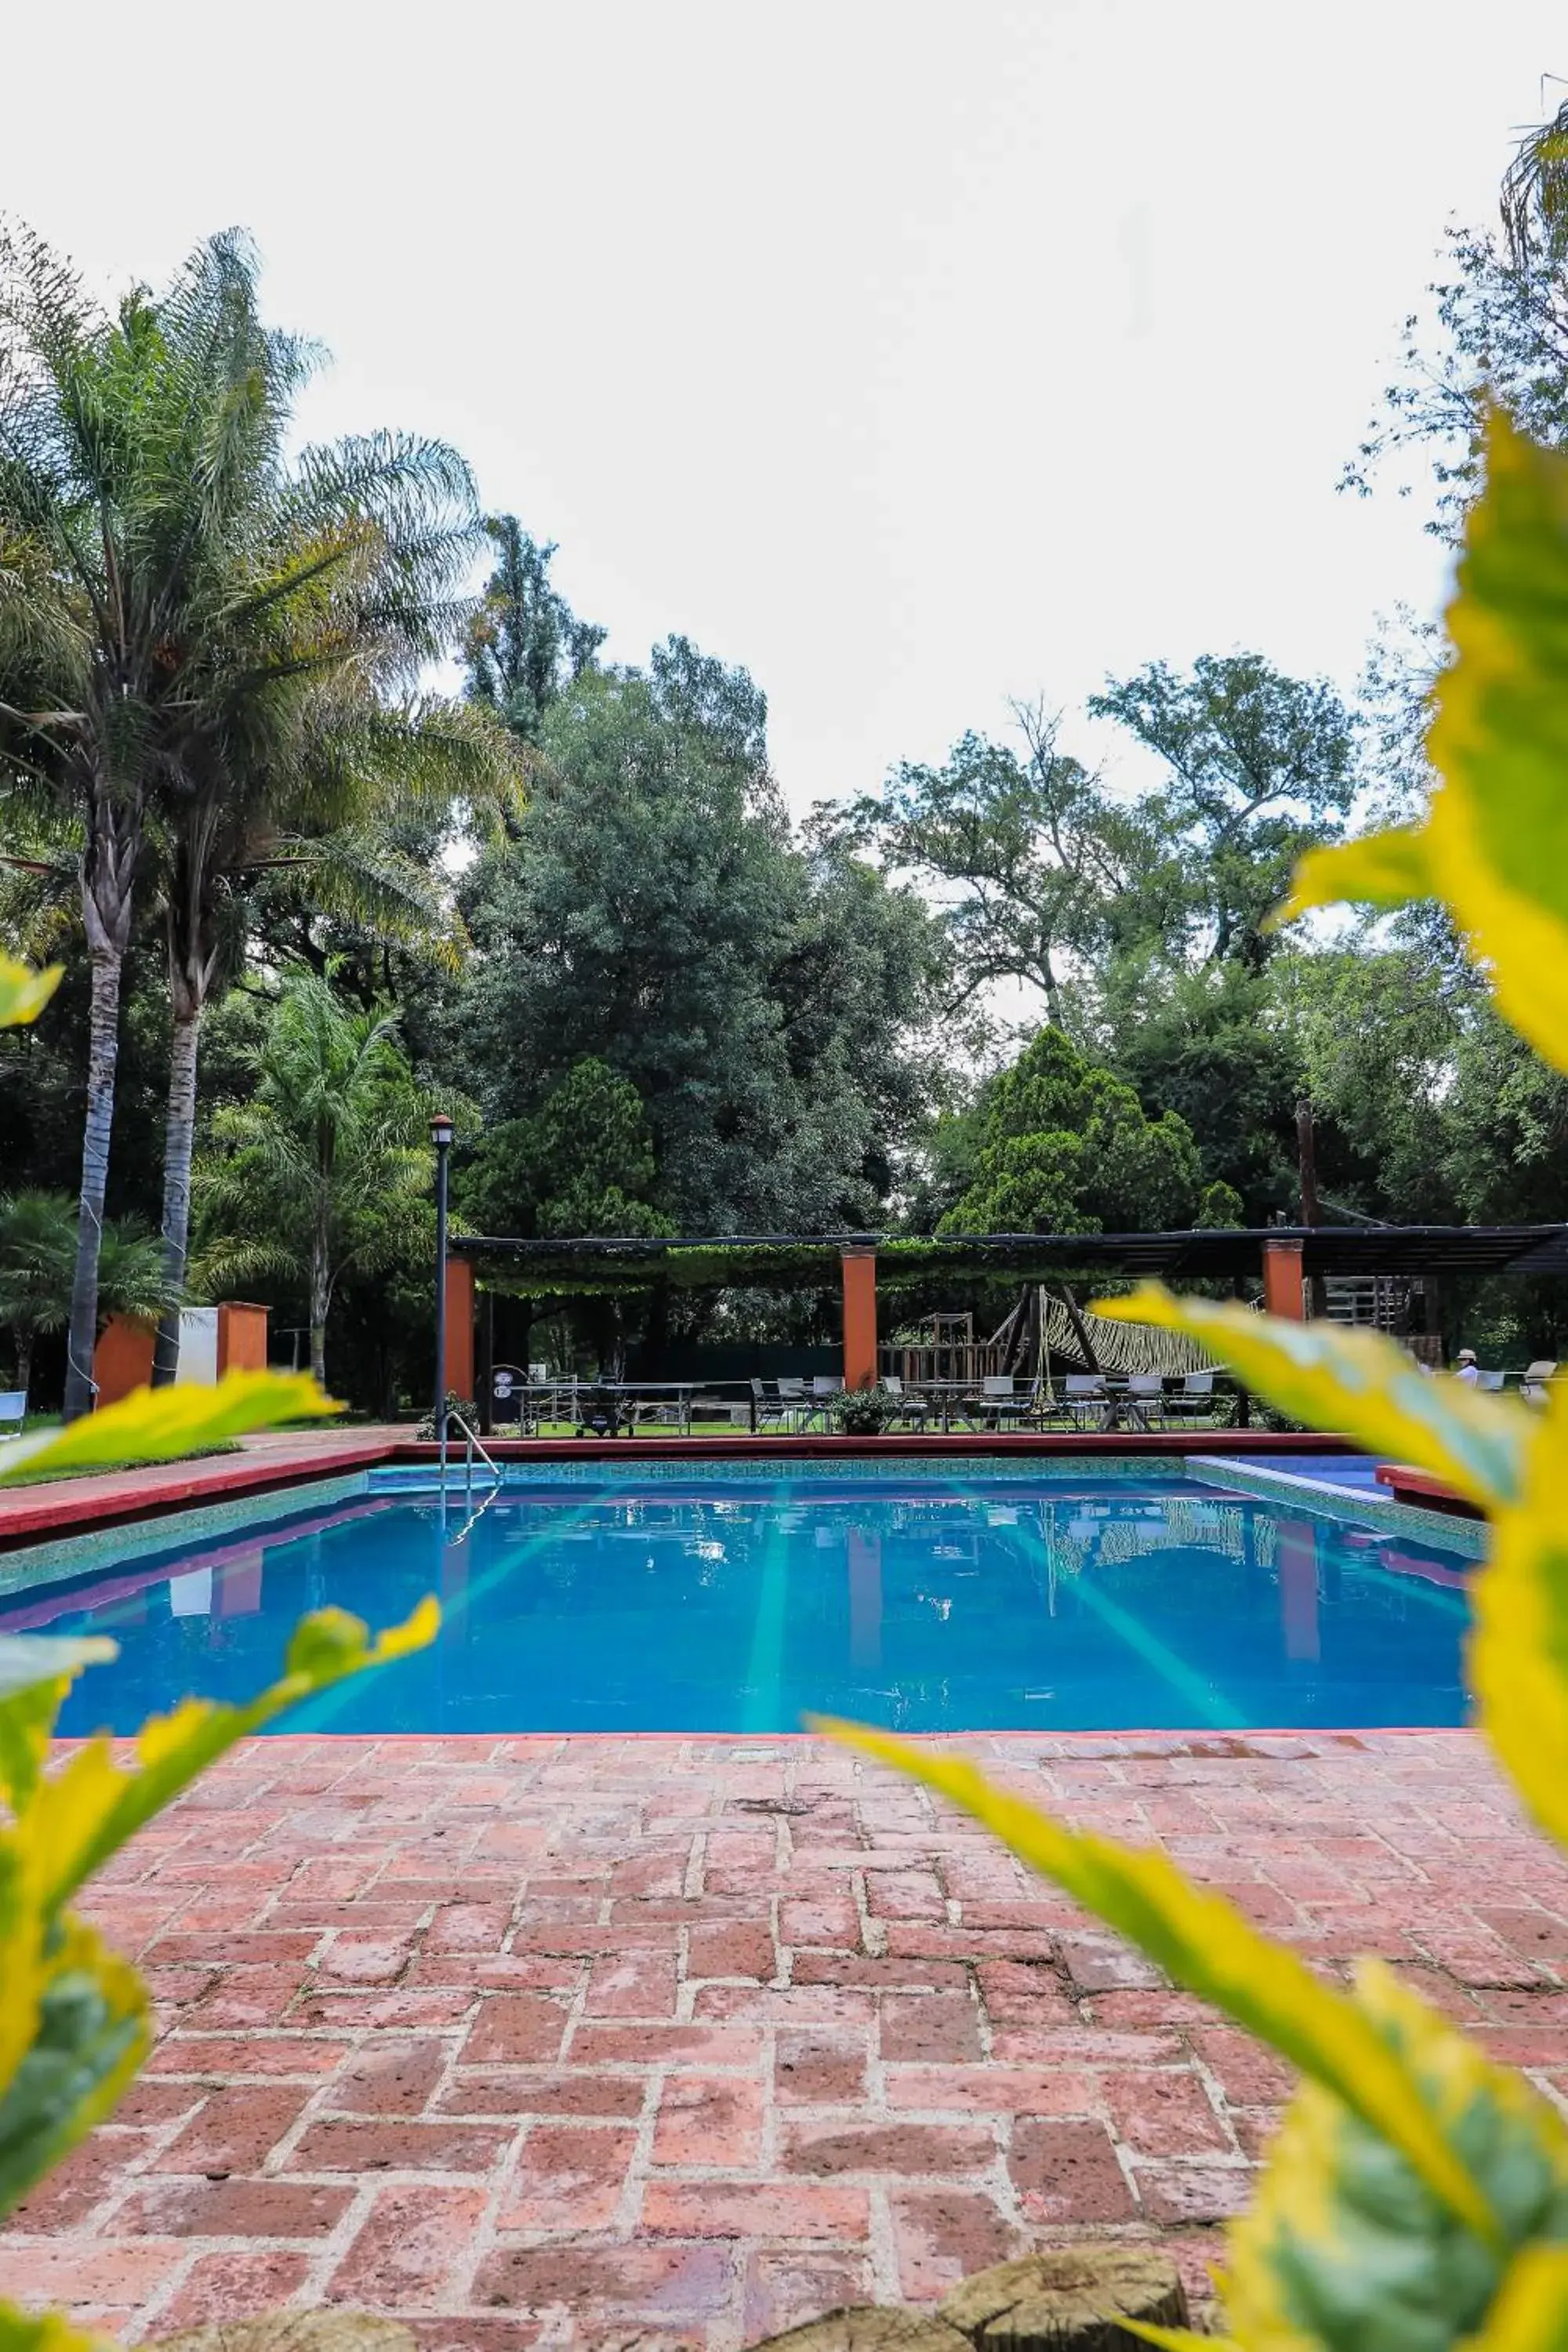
x=795, y=1403
x=1146, y=1396
x=1534, y=1388
x=1086, y=1397
x=1001, y=1403
x=1194, y=1401
x=13, y=1411
x=824, y=1389
x=772, y=1412
x=914, y=1411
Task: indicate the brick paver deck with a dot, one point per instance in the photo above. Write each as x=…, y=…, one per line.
x=599, y=2042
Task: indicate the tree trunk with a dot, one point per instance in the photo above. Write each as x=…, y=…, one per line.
x=24, y=1337
x=1072, y=2299
x=102, y=1053
x=179, y=1141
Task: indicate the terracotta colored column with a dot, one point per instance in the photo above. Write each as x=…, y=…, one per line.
x=1298, y=1567
x=1282, y=1280
x=241, y=1336
x=459, y=1370
x=859, y=1319
x=122, y=1360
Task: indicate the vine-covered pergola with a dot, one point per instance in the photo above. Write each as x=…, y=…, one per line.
x=1288, y=1259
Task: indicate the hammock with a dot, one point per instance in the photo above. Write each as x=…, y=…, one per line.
x=1123, y=1346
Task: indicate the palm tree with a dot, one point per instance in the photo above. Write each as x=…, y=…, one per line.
x=183, y=610
x=327, y=1168
x=317, y=817
x=37, y=1251
x=38, y=1257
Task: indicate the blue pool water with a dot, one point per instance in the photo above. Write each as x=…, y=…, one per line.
x=927, y=1603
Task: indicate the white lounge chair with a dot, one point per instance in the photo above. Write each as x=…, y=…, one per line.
x=1536, y=1385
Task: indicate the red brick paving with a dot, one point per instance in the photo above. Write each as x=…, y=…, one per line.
x=544, y=2041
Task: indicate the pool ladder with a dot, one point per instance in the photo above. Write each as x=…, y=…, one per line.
x=471, y=1445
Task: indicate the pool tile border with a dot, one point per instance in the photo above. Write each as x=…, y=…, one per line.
x=1386, y=1515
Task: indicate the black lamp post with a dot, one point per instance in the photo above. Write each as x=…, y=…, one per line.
x=441, y=1137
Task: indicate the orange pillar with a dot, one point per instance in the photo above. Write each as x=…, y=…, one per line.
x=1282, y=1280
x=122, y=1360
x=859, y=1319
x=459, y=1371
x=241, y=1336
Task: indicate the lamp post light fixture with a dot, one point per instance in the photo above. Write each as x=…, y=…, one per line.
x=441, y=1137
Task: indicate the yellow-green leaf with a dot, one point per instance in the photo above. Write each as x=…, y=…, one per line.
x=1494, y=846
x=161, y=1424
x=36, y=1672
x=1345, y=2248
x=1358, y=1385
x=22, y=993
x=1519, y=1646
x=1206, y=1943
x=91, y=2036
x=44, y=2331
x=1381, y=869
x=1530, y=2313
x=85, y=1813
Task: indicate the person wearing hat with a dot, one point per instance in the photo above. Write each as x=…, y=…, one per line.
x=1465, y=1368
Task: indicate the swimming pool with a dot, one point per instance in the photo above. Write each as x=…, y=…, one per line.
x=918, y=1597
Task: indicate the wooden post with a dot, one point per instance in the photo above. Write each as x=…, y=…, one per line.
x=1282, y=1280
x=458, y=1369
x=859, y=1319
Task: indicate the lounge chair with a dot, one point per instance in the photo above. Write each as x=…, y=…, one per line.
x=1534, y=1388
x=13, y=1411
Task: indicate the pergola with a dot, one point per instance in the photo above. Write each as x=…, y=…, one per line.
x=1287, y=1258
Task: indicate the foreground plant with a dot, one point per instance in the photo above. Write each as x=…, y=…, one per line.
x=74, y=2016
x=1416, y=2195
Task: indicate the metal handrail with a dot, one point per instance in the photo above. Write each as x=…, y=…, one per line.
x=473, y=1445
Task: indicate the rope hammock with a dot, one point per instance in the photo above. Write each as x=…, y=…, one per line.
x=1123, y=1346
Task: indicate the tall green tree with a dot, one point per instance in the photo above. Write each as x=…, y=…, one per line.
x=325, y=1171
x=1493, y=330
x=524, y=644
x=1028, y=856
x=583, y=1162
x=1259, y=766
x=1059, y=1144
x=655, y=913
x=169, y=584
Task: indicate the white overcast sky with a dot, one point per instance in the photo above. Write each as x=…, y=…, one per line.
x=916, y=357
